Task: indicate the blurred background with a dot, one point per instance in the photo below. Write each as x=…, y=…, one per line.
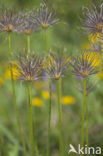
x=64, y=36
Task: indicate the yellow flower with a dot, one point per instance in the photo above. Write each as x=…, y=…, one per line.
x=68, y=100
x=94, y=38
x=37, y=102
x=1, y=81
x=45, y=94
x=96, y=58
x=15, y=73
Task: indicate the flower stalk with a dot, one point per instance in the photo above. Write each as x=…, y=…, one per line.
x=49, y=120
x=30, y=105
x=83, y=112
x=31, y=119
x=14, y=95
x=50, y=92
x=60, y=115
x=45, y=41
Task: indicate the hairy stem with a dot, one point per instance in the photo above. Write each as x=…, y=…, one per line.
x=60, y=115
x=14, y=95
x=49, y=119
x=83, y=112
x=31, y=119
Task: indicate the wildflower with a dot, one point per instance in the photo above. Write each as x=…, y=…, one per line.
x=15, y=73
x=93, y=20
x=44, y=17
x=68, y=100
x=85, y=65
x=9, y=21
x=94, y=38
x=29, y=69
x=37, y=102
x=27, y=27
x=96, y=58
x=45, y=94
x=57, y=66
x=1, y=81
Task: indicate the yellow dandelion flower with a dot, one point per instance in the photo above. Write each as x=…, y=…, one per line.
x=37, y=102
x=94, y=38
x=96, y=58
x=45, y=94
x=68, y=100
x=1, y=81
x=15, y=73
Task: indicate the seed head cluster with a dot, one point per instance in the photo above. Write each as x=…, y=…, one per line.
x=84, y=65
x=45, y=17
x=93, y=20
x=55, y=65
x=9, y=21
x=28, y=69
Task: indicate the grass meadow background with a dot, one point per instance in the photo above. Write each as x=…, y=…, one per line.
x=66, y=37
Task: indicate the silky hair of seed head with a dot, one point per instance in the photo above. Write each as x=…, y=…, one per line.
x=84, y=65
x=57, y=65
x=27, y=27
x=93, y=20
x=9, y=20
x=28, y=69
x=44, y=17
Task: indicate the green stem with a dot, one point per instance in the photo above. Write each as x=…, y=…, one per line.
x=28, y=45
x=35, y=139
x=14, y=95
x=87, y=140
x=30, y=108
x=36, y=148
x=83, y=112
x=49, y=121
x=60, y=115
x=45, y=41
x=50, y=92
x=31, y=119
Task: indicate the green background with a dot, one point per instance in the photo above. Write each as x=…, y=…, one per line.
x=65, y=36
